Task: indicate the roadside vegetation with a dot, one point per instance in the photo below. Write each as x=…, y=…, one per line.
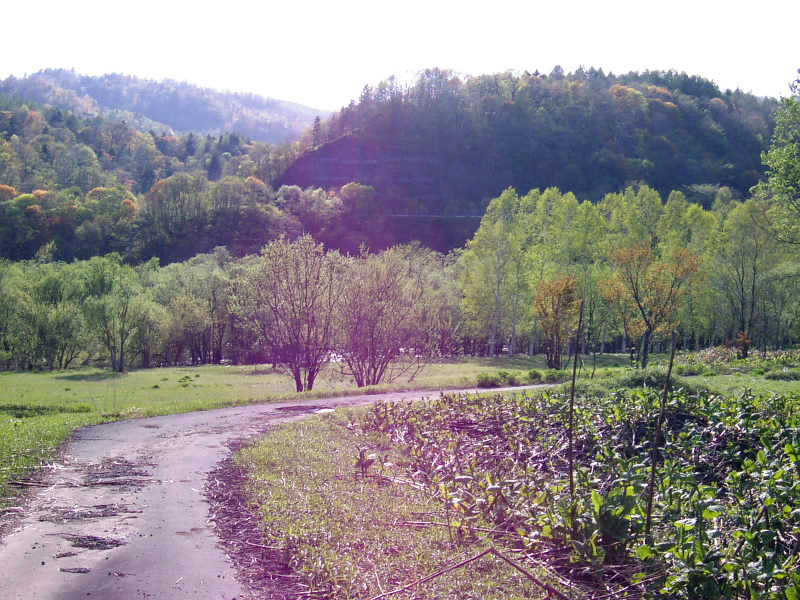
x=382, y=497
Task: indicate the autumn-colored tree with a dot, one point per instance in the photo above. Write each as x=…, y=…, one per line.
x=7, y=192
x=556, y=306
x=649, y=290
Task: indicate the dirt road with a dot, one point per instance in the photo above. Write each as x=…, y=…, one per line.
x=123, y=515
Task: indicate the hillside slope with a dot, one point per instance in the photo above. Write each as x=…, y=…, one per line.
x=165, y=105
x=443, y=146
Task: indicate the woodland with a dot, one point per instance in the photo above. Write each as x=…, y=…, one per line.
x=140, y=249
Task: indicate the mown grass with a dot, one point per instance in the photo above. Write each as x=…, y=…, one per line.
x=351, y=536
x=39, y=411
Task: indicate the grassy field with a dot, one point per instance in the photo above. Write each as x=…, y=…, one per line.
x=734, y=384
x=38, y=411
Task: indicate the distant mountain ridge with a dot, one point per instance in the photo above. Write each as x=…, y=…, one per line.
x=167, y=105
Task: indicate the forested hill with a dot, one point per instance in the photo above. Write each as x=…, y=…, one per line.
x=445, y=145
x=165, y=105
x=429, y=156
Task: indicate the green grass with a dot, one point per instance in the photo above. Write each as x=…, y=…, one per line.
x=38, y=411
x=349, y=536
x=735, y=384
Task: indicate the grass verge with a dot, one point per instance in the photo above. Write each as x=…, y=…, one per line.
x=348, y=535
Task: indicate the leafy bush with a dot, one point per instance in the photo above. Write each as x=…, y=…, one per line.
x=534, y=376
x=727, y=479
x=784, y=374
x=488, y=380
x=555, y=375
x=653, y=379
x=509, y=377
x=691, y=369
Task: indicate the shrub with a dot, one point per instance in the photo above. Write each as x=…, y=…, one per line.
x=555, y=375
x=653, y=379
x=691, y=369
x=534, y=376
x=783, y=374
x=488, y=380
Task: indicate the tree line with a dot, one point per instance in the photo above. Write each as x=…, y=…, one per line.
x=293, y=304
x=444, y=145
x=434, y=152
x=642, y=265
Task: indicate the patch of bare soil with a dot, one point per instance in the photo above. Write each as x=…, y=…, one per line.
x=118, y=471
x=92, y=542
x=303, y=408
x=62, y=514
x=261, y=569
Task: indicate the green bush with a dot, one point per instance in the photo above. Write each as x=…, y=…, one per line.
x=783, y=374
x=488, y=380
x=691, y=369
x=555, y=375
x=534, y=376
x=653, y=379
x=508, y=378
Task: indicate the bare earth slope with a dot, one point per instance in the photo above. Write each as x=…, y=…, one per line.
x=123, y=515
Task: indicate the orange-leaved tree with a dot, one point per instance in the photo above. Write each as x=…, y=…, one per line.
x=648, y=290
x=556, y=307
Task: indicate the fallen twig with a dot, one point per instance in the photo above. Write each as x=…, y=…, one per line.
x=433, y=575
x=261, y=546
x=550, y=589
x=28, y=483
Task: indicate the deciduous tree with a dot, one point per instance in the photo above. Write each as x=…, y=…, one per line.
x=290, y=296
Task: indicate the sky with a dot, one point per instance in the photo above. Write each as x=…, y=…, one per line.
x=321, y=54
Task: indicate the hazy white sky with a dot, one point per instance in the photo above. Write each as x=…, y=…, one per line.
x=323, y=53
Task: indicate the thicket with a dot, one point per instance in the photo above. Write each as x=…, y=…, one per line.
x=725, y=491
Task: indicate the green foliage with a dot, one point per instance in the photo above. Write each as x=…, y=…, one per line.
x=784, y=374
x=588, y=131
x=782, y=160
x=331, y=519
x=726, y=486
x=488, y=380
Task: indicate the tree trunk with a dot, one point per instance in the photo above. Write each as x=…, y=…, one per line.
x=644, y=351
x=298, y=379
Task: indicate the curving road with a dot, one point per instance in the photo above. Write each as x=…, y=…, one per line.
x=122, y=515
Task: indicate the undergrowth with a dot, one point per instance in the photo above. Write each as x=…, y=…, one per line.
x=727, y=497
